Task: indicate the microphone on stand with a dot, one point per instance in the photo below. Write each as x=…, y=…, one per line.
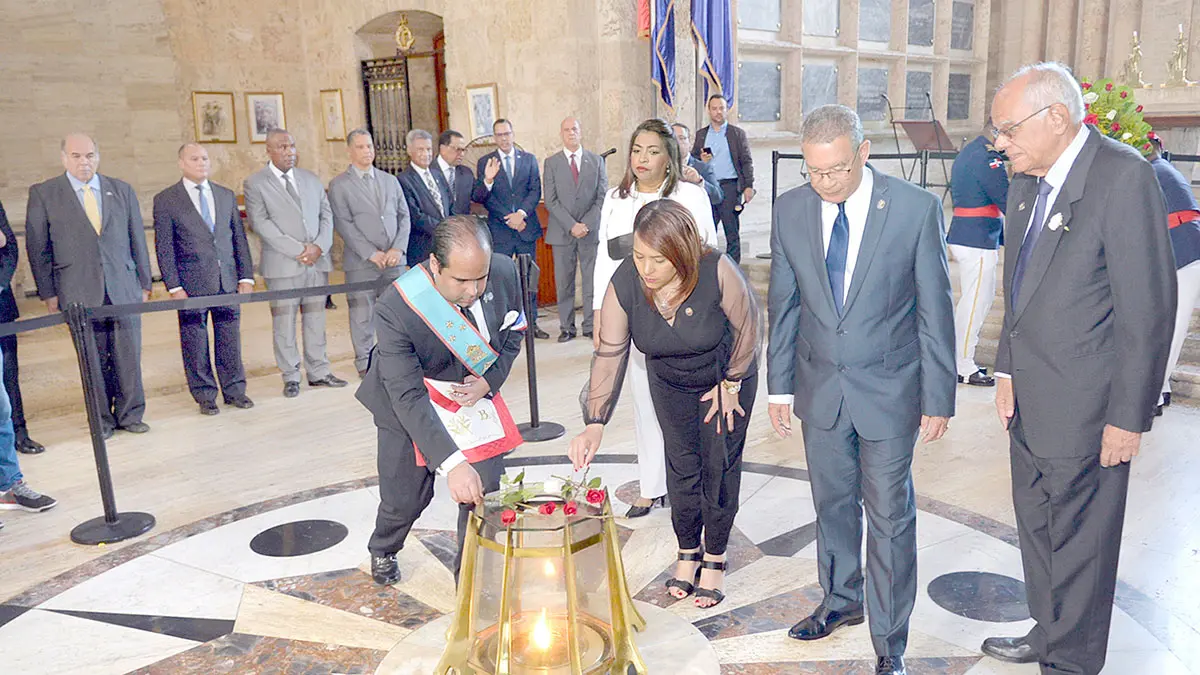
x=606, y=153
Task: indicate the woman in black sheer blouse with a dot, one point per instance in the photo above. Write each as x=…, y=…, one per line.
x=692, y=313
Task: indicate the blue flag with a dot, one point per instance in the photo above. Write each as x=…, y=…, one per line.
x=662, y=50
x=712, y=25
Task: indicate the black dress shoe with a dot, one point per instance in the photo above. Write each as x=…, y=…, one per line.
x=209, y=408
x=242, y=402
x=291, y=389
x=566, y=336
x=1166, y=399
x=639, y=511
x=329, y=380
x=587, y=334
x=329, y=302
x=822, y=623
x=1158, y=411
x=106, y=434
x=890, y=665
x=540, y=334
x=1010, y=650
x=384, y=569
x=135, y=427
x=979, y=378
x=28, y=446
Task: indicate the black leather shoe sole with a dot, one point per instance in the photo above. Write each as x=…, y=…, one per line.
x=28, y=446
x=978, y=380
x=540, y=334
x=329, y=381
x=1009, y=653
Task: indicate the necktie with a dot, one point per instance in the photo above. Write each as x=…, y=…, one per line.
x=291, y=190
x=835, y=257
x=450, y=179
x=91, y=208
x=574, y=170
x=373, y=186
x=433, y=190
x=508, y=168
x=204, y=212
x=1031, y=237
x=469, y=316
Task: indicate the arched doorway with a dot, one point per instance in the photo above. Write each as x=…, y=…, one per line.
x=403, y=88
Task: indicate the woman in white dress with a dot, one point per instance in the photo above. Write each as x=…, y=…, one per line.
x=655, y=171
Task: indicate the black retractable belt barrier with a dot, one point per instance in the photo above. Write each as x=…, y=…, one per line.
x=115, y=526
x=536, y=430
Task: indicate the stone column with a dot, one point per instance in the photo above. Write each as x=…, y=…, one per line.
x=1091, y=40
x=1159, y=27
x=1060, y=31
x=689, y=90
x=1124, y=17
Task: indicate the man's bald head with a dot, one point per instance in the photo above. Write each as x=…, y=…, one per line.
x=80, y=156
x=571, y=134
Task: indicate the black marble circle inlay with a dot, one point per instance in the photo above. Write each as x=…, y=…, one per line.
x=298, y=538
x=981, y=596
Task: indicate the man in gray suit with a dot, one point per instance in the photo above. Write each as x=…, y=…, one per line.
x=289, y=211
x=575, y=181
x=1089, y=311
x=862, y=349
x=371, y=215
x=87, y=243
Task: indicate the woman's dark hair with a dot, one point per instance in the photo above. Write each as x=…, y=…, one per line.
x=667, y=226
x=663, y=130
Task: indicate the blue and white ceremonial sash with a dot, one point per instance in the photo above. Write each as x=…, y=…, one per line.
x=447, y=323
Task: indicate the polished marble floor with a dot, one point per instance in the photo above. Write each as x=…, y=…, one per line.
x=210, y=589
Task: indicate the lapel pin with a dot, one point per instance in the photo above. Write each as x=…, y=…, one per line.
x=1021, y=206
x=687, y=311
x=881, y=204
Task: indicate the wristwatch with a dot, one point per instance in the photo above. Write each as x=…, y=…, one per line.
x=731, y=387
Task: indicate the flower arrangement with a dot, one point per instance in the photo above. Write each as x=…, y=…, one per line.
x=1111, y=108
x=521, y=499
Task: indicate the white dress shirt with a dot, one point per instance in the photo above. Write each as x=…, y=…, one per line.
x=194, y=195
x=578, y=155
x=280, y=175
x=858, y=207
x=1056, y=177
x=476, y=310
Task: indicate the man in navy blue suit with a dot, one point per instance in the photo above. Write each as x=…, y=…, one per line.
x=510, y=187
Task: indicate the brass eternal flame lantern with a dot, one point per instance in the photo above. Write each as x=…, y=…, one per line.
x=542, y=593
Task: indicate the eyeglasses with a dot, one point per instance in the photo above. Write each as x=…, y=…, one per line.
x=831, y=174
x=1012, y=128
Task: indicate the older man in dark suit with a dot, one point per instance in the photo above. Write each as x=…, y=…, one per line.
x=575, y=182
x=87, y=244
x=427, y=197
x=449, y=331
x=458, y=179
x=9, y=255
x=202, y=250
x=1089, y=309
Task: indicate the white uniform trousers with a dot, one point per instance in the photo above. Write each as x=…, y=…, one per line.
x=652, y=458
x=977, y=273
x=1189, y=298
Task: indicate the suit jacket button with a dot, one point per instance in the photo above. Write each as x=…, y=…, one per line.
x=841, y=332
x=1013, y=334
x=842, y=369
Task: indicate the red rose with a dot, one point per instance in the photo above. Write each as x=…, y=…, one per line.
x=1139, y=108
x=1124, y=94
x=546, y=509
x=1115, y=126
x=508, y=517
x=1108, y=87
x=1091, y=119
x=1152, y=136
x=570, y=508
x=1146, y=146
x=595, y=496
x=1087, y=85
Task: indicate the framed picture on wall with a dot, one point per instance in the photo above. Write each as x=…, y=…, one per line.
x=265, y=110
x=333, y=114
x=214, y=117
x=481, y=108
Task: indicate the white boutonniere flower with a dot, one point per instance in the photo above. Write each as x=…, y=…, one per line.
x=509, y=319
x=487, y=297
x=1056, y=222
x=1090, y=97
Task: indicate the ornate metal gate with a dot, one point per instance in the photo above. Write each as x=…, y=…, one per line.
x=389, y=110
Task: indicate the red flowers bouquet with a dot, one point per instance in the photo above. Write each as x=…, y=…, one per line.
x=1110, y=108
x=547, y=497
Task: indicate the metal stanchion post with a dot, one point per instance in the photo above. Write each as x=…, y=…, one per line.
x=536, y=430
x=113, y=526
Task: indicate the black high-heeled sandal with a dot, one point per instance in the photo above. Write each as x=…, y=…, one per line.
x=639, y=511
x=714, y=594
x=687, y=588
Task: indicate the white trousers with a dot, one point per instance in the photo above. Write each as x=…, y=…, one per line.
x=1189, y=297
x=977, y=272
x=651, y=452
